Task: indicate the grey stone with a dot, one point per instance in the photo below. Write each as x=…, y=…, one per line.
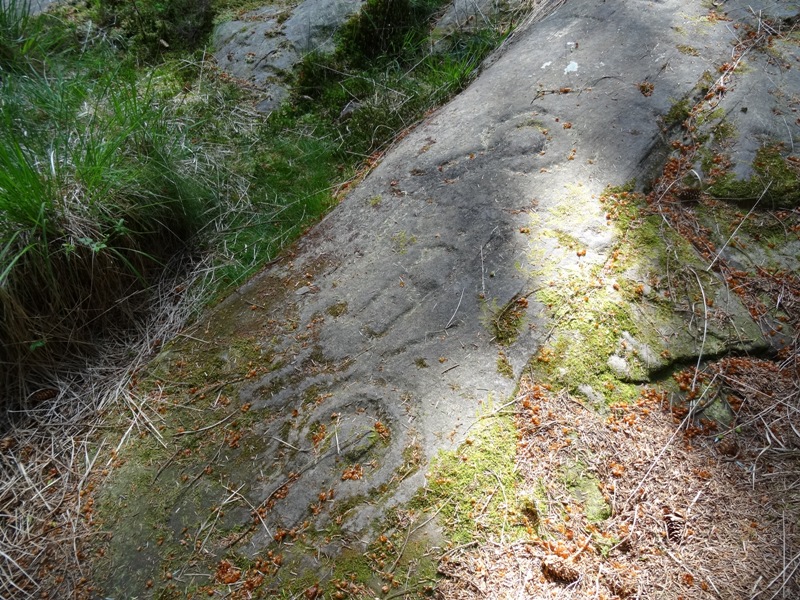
x=264, y=45
x=492, y=193
x=619, y=366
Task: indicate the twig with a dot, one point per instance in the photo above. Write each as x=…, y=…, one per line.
x=725, y=245
x=21, y=570
x=780, y=575
x=217, y=514
x=705, y=328
x=191, y=337
x=201, y=472
x=277, y=439
x=483, y=271
x=450, y=322
x=165, y=465
x=206, y=428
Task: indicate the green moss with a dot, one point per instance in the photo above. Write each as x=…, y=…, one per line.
x=355, y=566
x=473, y=487
x=337, y=310
x=402, y=240
x=707, y=117
x=506, y=323
x=564, y=239
x=578, y=356
x=421, y=363
x=688, y=50
x=627, y=187
x=594, y=313
x=774, y=177
x=678, y=113
x=504, y=367
x=585, y=488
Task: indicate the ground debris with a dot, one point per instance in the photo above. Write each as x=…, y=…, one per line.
x=682, y=514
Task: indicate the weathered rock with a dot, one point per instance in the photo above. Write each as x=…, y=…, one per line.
x=493, y=199
x=263, y=46
x=466, y=15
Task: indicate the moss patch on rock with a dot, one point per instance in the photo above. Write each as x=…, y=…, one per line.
x=473, y=488
x=585, y=488
x=775, y=181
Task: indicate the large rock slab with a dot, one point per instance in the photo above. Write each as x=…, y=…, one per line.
x=388, y=323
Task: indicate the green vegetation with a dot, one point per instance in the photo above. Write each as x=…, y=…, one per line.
x=688, y=50
x=100, y=186
x=385, y=73
x=474, y=487
x=124, y=152
x=385, y=28
x=154, y=27
x=585, y=488
x=504, y=365
x=775, y=180
x=402, y=240
x=506, y=322
x=678, y=113
x=337, y=310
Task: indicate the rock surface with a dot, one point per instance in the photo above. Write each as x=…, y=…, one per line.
x=262, y=46
x=375, y=343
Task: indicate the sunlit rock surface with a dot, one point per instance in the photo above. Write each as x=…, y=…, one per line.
x=375, y=342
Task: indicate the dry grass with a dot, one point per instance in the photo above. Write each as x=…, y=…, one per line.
x=694, y=513
x=48, y=451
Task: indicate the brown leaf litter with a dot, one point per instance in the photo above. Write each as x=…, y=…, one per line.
x=688, y=518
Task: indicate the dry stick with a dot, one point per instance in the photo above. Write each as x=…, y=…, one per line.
x=148, y=423
x=90, y=464
x=23, y=571
x=200, y=473
x=277, y=439
x=191, y=337
x=21, y=467
x=680, y=563
x=227, y=500
x=206, y=428
x=253, y=508
x=450, y=322
x=725, y=245
x=780, y=575
x=705, y=328
x=165, y=465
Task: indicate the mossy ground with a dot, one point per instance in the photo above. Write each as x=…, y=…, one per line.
x=474, y=488
x=775, y=181
x=594, y=301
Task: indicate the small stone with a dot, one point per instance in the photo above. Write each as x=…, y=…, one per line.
x=619, y=365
